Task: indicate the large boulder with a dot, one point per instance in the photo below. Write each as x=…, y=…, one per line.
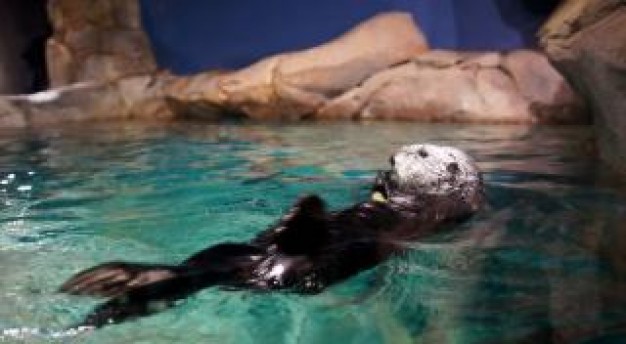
x=296, y=84
x=586, y=41
x=382, y=69
x=96, y=40
x=446, y=86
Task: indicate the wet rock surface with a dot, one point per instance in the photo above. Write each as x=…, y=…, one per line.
x=586, y=41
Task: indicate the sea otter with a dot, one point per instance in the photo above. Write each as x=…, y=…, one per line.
x=309, y=248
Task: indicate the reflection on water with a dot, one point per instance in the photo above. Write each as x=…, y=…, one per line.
x=544, y=262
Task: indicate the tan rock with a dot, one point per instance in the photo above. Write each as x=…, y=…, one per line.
x=144, y=97
x=463, y=87
x=78, y=102
x=341, y=64
x=97, y=40
x=101, y=67
x=60, y=63
x=381, y=70
x=571, y=18
x=481, y=60
x=501, y=100
x=293, y=85
x=128, y=98
x=10, y=116
x=439, y=59
x=586, y=41
x=447, y=95
x=550, y=97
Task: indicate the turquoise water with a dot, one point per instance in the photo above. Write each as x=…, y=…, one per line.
x=544, y=262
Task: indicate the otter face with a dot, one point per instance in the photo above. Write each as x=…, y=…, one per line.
x=430, y=170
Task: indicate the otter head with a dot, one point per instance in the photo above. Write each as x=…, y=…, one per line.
x=424, y=173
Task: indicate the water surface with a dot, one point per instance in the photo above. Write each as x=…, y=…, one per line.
x=544, y=262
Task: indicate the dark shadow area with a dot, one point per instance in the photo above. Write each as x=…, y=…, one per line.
x=24, y=29
x=499, y=24
x=526, y=16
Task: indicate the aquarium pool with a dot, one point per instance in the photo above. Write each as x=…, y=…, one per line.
x=544, y=262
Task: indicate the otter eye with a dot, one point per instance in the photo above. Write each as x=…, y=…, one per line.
x=422, y=152
x=453, y=168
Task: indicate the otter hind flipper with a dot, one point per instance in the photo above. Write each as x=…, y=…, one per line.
x=115, y=278
x=152, y=297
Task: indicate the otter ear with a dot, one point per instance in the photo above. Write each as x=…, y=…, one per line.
x=310, y=206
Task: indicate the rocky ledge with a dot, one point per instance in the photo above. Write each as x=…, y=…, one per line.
x=381, y=69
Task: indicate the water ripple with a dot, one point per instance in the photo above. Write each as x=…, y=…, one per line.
x=545, y=256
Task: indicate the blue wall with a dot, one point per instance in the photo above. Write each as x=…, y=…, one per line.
x=194, y=35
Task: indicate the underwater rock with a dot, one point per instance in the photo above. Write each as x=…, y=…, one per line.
x=586, y=41
x=96, y=40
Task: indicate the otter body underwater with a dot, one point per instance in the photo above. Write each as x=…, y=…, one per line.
x=309, y=248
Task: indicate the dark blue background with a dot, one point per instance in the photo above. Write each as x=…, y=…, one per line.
x=194, y=35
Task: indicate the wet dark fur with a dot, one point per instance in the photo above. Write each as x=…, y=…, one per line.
x=315, y=248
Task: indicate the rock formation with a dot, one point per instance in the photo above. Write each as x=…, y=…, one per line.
x=294, y=85
x=381, y=69
x=127, y=98
x=96, y=40
x=586, y=41
x=446, y=86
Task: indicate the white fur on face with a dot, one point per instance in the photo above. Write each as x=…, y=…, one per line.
x=437, y=170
